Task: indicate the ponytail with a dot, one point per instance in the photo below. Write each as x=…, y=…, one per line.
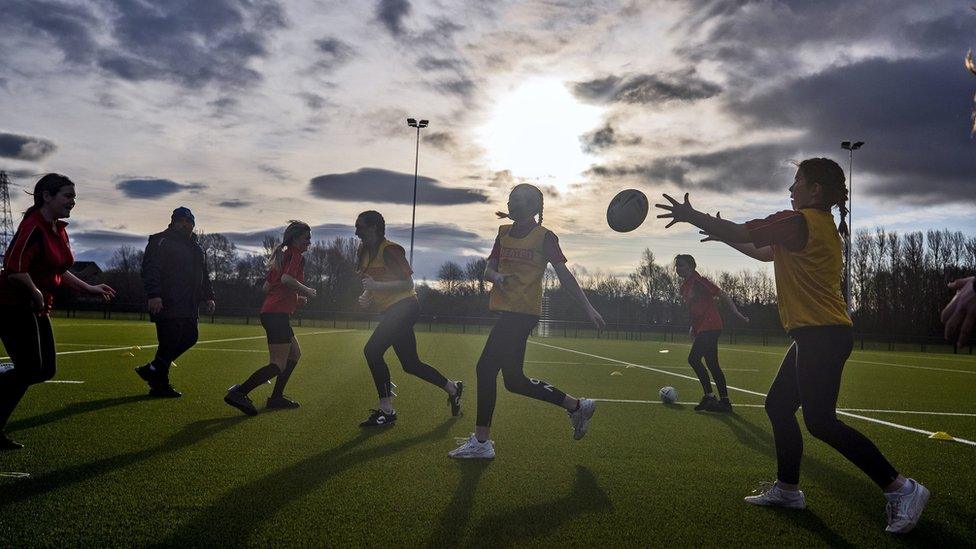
x=294, y=230
x=843, y=228
x=831, y=178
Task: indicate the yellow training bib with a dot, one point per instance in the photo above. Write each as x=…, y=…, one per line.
x=377, y=270
x=524, y=261
x=808, y=282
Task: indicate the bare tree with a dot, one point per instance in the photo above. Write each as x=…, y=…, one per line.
x=126, y=260
x=475, y=273
x=451, y=277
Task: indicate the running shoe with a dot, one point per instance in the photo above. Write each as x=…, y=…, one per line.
x=473, y=449
x=379, y=417
x=904, y=510
x=772, y=495
x=580, y=419
x=239, y=400
x=455, y=399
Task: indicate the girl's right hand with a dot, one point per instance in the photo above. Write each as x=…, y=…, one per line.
x=366, y=299
x=310, y=292
x=596, y=319
x=498, y=279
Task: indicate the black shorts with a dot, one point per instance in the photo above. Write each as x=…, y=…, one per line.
x=278, y=327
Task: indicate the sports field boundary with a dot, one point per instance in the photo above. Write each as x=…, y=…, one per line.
x=748, y=391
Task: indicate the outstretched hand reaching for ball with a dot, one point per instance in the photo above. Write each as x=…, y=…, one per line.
x=678, y=212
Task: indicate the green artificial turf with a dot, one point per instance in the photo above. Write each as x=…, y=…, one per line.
x=109, y=466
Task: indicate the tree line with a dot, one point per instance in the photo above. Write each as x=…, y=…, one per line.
x=898, y=282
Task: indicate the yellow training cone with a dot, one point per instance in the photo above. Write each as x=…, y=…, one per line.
x=615, y=373
x=137, y=348
x=941, y=435
x=127, y=354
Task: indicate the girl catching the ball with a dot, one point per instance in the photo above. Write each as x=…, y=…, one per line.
x=388, y=287
x=700, y=295
x=804, y=246
x=515, y=268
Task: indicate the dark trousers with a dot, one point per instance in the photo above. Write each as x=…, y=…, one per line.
x=810, y=377
x=705, y=347
x=175, y=336
x=505, y=352
x=30, y=343
x=396, y=330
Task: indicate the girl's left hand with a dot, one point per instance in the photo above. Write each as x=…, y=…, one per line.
x=596, y=319
x=369, y=283
x=103, y=290
x=677, y=211
x=743, y=318
x=302, y=300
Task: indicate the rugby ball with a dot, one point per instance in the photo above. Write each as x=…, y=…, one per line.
x=669, y=395
x=627, y=210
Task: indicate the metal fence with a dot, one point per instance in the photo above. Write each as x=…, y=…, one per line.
x=668, y=333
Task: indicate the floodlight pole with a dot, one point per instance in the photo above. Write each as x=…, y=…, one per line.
x=413, y=123
x=850, y=147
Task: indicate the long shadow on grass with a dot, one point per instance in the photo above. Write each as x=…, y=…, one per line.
x=230, y=521
x=456, y=516
x=525, y=524
x=73, y=410
x=188, y=436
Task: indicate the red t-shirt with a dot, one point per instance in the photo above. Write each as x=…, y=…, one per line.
x=550, y=245
x=699, y=294
x=40, y=250
x=786, y=228
x=281, y=298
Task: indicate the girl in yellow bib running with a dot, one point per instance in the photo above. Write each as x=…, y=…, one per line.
x=388, y=288
x=515, y=269
x=804, y=246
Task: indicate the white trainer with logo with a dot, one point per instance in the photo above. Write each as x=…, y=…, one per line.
x=580, y=419
x=472, y=449
x=904, y=510
x=772, y=495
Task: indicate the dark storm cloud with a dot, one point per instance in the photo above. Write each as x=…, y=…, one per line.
x=462, y=86
x=19, y=174
x=391, y=13
x=154, y=188
x=235, y=203
x=332, y=53
x=192, y=44
x=913, y=114
x=313, y=101
x=373, y=185
x=606, y=138
x=440, y=140
x=647, y=88
x=24, y=147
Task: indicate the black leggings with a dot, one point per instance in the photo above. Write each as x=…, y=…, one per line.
x=810, y=376
x=705, y=347
x=30, y=343
x=396, y=330
x=505, y=352
x=175, y=336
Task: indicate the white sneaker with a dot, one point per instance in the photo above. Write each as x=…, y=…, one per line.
x=472, y=449
x=770, y=494
x=6, y=367
x=904, y=510
x=580, y=419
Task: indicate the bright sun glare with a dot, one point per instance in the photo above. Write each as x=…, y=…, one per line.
x=535, y=130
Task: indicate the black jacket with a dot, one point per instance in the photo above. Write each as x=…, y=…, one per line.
x=175, y=269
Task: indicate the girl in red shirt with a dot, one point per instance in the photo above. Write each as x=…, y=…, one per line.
x=35, y=264
x=285, y=289
x=700, y=294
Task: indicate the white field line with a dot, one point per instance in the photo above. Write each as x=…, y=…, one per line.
x=228, y=350
x=612, y=364
x=60, y=344
x=747, y=391
x=955, y=371
x=154, y=345
x=13, y=474
x=68, y=381
x=914, y=412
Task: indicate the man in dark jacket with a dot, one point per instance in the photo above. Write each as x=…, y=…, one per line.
x=174, y=274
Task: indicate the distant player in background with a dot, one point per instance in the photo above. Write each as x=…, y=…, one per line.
x=805, y=247
x=35, y=265
x=388, y=287
x=175, y=277
x=285, y=289
x=700, y=295
x=515, y=268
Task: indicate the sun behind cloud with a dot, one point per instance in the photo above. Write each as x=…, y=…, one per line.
x=534, y=132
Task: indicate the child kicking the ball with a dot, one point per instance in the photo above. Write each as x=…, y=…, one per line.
x=515, y=268
x=804, y=246
x=700, y=294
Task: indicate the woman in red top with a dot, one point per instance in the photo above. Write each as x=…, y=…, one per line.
x=699, y=294
x=35, y=264
x=285, y=288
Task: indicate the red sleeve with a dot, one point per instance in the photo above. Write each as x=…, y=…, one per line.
x=708, y=286
x=23, y=250
x=786, y=228
x=496, y=250
x=395, y=259
x=293, y=266
x=554, y=254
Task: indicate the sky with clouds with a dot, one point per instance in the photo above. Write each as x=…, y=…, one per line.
x=254, y=112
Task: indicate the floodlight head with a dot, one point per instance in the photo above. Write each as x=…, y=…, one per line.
x=412, y=122
x=857, y=145
x=423, y=123
x=846, y=145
